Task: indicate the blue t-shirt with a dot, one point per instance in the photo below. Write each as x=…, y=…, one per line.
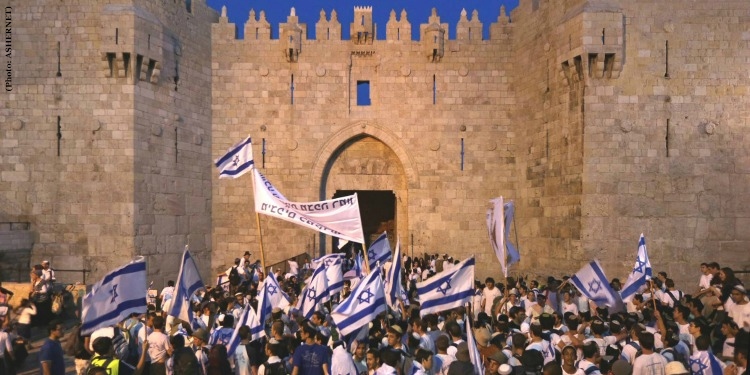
x=52, y=352
x=310, y=359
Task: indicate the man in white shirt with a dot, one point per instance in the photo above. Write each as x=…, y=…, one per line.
x=48, y=274
x=649, y=362
x=489, y=294
x=671, y=296
x=341, y=360
x=167, y=292
x=739, y=309
x=705, y=280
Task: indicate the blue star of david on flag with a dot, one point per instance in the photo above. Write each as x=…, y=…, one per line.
x=443, y=288
x=697, y=366
x=365, y=296
x=114, y=293
x=639, y=264
x=272, y=289
x=311, y=294
x=595, y=286
x=236, y=161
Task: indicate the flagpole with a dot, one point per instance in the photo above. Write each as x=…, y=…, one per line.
x=367, y=259
x=260, y=232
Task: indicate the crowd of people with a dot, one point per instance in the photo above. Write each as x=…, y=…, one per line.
x=520, y=326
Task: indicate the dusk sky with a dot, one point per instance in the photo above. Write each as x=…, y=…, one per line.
x=418, y=12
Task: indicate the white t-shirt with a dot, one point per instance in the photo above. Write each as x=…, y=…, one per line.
x=650, y=364
x=158, y=343
x=166, y=293
x=489, y=296
x=242, y=361
x=739, y=313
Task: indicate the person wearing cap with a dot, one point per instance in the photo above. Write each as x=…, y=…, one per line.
x=505, y=369
x=199, y=340
x=649, y=362
x=494, y=362
x=48, y=274
x=675, y=368
x=104, y=358
x=393, y=337
x=739, y=307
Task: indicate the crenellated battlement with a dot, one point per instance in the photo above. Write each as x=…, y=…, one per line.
x=363, y=29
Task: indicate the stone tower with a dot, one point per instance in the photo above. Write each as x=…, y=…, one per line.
x=106, y=127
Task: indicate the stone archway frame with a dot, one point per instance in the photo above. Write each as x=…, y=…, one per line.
x=326, y=156
x=358, y=129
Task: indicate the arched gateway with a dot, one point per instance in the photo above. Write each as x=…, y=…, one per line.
x=372, y=162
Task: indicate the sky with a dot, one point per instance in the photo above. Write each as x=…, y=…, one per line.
x=418, y=11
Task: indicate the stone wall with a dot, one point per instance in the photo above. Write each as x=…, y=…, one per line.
x=307, y=140
x=103, y=73
x=573, y=108
x=666, y=145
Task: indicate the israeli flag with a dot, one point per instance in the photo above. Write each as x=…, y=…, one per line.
x=247, y=318
x=448, y=289
x=119, y=294
x=592, y=283
x=641, y=272
x=362, y=306
x=273, y=296
x=334, y=276
x=237, y=161
x=379, y=251
x=705, y=363
x=188, y=282
x=476, y=358
x=393, y=287
x=314, y=292
x=327, y=259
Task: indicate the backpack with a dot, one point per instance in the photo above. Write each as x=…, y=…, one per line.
x=275, y=368
x=234, y=277
x=677, y=356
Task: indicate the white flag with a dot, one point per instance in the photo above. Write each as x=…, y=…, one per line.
x=337, y=217
x=119, y=294
x=496, y=231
